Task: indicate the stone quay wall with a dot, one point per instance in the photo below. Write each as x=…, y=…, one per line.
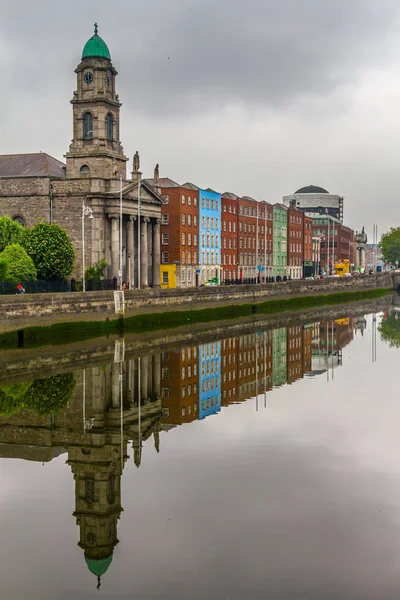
x=19, y=311
x=25, y=364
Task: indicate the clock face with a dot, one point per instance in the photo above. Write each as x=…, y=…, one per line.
x=88, y=77
x=108, y=79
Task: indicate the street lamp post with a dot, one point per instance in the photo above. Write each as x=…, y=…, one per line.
x=86, y=212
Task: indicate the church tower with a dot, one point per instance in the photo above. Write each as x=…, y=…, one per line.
x=95, y=150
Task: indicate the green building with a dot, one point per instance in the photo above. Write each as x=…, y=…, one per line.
x=279, y=257
x=279, y=352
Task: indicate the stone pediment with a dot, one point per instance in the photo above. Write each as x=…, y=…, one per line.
x=148, y=193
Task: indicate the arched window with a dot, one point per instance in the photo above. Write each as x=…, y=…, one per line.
x=109, y=126
x=88, y=126
x=19, y=220
x=84, y=170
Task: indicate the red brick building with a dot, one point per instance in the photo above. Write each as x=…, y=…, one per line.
x=295, y=243
x=229, y=236
x=309, y=268
x=247, y=238
x=337, y=241
x=179, y=234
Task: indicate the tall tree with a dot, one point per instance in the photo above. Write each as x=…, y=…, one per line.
x=51, y=250
x=11, y=232
x=390, y=245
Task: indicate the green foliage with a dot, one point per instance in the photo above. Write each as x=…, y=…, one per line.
x=18, y=265
x=11, y=232
x=3, y=269
x=389, y=330
x=45, y=396
x=51, y=250
x=390, y=245
x=96, y=273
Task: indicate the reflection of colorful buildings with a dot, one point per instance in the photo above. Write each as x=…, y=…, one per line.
x=209, y=379
x=180, y=384
x=294, y=353
x=229, y=363
x=279, y=358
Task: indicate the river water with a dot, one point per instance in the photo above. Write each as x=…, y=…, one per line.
x=264, y=465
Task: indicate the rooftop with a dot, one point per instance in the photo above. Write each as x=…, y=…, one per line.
x=38, y=164
x=312, y=189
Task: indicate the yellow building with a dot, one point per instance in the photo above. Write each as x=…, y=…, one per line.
x=168, y=276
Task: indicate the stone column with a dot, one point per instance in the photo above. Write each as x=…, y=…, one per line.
x=144, y=375
x=114, y=246
x=156, y=253
x=157, y=374
x=130, y=247
x=144, y=275
x=115, y=385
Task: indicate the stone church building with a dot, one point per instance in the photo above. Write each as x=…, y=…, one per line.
x=87, y=189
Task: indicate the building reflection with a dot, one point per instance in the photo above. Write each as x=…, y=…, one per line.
x=115, y=409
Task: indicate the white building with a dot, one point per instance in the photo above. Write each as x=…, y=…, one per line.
x=316, y=200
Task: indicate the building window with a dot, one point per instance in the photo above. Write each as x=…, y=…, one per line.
x=165, y=239
x=88, y=126
x=183, y=239
x=189, y=239
x=183, y=219
x=165, y=258
x=189, y=200
x=195, y=221
x=195, y=240
x=111, y=491
x=84, y=170
x=165, y=392
x=189, y=220
x=110, y=127
x=183, y=199
x=189, y=258
x=165, y=277
x=89, y=491
x=19, y=220
x=183, y=258
x=166, y=199
x=195, y=201
x=165, y=373
x=165, y=219
x=189, y=276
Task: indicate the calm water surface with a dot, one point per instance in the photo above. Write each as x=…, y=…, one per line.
x=261, y=466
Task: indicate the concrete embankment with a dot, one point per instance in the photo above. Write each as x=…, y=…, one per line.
x=33, y=310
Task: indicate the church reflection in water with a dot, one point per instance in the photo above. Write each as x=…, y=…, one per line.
x=113, y=408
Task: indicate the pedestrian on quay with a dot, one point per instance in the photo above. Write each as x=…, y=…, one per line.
x=20, y=289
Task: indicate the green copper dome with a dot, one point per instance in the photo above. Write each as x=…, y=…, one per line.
x=98, y=566
x=96, y=47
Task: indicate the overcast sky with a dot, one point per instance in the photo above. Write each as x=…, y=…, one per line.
x=258, y=97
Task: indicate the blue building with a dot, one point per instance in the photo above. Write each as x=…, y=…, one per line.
x=210, y=236
x=209, y=379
